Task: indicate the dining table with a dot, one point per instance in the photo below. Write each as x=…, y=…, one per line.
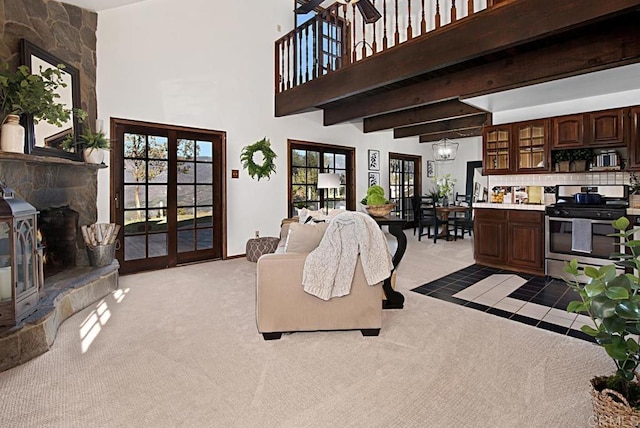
x=443, y=212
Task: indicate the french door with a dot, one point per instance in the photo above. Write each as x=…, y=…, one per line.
x=405, y=183
x=168, y=189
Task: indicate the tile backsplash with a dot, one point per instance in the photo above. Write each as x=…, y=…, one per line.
x=587, y=178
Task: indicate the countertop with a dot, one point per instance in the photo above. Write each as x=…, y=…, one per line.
x=531, y=207
x=527, y=207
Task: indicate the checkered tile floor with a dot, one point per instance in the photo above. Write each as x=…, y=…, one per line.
x=533, y=300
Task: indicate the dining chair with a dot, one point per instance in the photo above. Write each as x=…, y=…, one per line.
x=465, y=221
x=425, y=217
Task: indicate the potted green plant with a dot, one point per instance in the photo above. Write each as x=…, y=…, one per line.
x=561, y=159
x=612, y=301
x=24, y=93
x=375, y=202
x=579, y=157
x=92, y=143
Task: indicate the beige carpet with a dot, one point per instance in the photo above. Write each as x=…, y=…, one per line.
x=179, y=348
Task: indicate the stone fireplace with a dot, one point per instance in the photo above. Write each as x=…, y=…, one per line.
x=47, y=183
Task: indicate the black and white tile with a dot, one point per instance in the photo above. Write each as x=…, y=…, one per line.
x=533, y=300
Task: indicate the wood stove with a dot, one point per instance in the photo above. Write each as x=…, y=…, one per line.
x=20, y=261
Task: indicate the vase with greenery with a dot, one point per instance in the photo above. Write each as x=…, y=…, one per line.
x=612, y=301
x=24, y=93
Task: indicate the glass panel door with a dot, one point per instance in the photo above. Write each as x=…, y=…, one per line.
x=405, y=183
x=169, y=186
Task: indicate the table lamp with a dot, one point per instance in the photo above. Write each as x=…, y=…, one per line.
x=328, y=181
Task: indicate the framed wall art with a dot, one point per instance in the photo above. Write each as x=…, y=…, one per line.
x=374, y=160
x=431, y=168
x=374, y=178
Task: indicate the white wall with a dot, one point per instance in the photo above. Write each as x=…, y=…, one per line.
x=210, y=65
x=469, y=149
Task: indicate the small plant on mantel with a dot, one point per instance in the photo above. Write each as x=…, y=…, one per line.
x=612, y=302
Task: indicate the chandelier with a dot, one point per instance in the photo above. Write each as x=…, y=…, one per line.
x=445, y=150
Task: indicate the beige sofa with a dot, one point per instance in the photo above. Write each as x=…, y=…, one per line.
x=283, y=306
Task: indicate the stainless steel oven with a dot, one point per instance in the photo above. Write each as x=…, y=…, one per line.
x=592, y=221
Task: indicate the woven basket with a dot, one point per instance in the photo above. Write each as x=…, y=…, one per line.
x=379, y=210
x=611, y=409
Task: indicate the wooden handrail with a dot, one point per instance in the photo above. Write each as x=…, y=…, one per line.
x=338, y=37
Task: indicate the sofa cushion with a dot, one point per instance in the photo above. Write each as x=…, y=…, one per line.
x=304, y=238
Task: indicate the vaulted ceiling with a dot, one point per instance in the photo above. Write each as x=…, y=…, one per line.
x=482, y=60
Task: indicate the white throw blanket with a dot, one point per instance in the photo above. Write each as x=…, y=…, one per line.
x=329, y=269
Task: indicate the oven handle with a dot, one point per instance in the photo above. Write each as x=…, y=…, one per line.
x=569, y=219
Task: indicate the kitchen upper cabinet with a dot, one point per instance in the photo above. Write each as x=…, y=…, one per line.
x=606, y=128
x=634, y=141
x=496, y=153
x=568, y=131
x=531, y=141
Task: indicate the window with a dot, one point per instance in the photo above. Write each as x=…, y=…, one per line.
x=306, y=161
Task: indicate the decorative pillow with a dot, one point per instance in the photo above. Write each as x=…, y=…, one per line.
x=304, y=238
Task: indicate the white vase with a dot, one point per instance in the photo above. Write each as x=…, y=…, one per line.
x=12, y=135
x=93, y=155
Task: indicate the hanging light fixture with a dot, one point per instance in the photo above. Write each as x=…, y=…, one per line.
x=445, y=150
x=347, y=1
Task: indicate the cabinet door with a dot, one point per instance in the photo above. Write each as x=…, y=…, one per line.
x=489, y=236
x=634, y=141
x=525, y=238
x=606, y=128
x=531, y=141
x=496, y=149
x=568, y=131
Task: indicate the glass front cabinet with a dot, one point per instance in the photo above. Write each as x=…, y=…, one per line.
x=531, y=141
x=497, y=149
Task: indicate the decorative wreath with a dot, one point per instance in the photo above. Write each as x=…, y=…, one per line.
x=255, y=170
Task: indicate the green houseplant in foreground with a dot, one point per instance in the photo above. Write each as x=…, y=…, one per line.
x=612, y=302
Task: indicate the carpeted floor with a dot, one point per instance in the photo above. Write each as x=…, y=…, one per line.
x=179, y=348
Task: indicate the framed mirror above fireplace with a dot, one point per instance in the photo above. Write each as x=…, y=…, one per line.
x=43, y=138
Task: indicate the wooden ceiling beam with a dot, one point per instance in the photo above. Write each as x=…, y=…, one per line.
x=435, y=137
x=512, y=24
x=460, y=123
x=614, y=44
x=422, y=114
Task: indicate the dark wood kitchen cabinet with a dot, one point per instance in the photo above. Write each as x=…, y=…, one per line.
x=606, y=128
x=489, y=231
x=634, y=141
x=496, y=153
x=531, y=141
x=510, y=239
x=521, y=148
x=568, y=131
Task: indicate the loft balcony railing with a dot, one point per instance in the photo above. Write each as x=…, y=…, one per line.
x=338, y=36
